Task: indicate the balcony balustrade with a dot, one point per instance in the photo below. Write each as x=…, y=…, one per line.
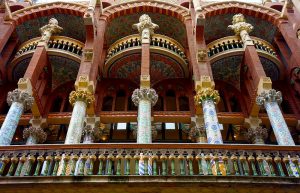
x=150, y=159
x=56, y=43
x=234, y=43
x=157, y=42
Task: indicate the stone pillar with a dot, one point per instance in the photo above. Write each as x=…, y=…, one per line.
x=19, y=101
x=208, y=97
x=269, y=100
x=144, y=98
x=80, y=100
x=242, y=29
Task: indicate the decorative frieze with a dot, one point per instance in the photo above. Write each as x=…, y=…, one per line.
x=148, y=94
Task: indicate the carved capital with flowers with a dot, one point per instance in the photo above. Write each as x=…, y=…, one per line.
x=257, y=135
x=269, y=96
x=20, y=96
x=144, y=94
x=204, y=94
x=81, y=95
x=38, y=133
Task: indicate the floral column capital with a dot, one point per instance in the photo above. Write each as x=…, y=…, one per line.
x=20, y=96
x=144, y=94
x=206, y=94
x=145, y=27
x=81, y=95
x=241, y=28
x=269, y=96
x=38, y=133
x=257, y=135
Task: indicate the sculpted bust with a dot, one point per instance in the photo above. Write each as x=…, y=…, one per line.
x=49, y=29
x=145, y=27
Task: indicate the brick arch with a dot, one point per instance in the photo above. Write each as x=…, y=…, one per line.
x=46, y=9
x=257, y=11
x=127, y=8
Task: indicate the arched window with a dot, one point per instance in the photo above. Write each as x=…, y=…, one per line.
x=56, y=104
x=159, y=106
x=184, y=103
x=107, y=103
x=171, y=100
x=120, y=101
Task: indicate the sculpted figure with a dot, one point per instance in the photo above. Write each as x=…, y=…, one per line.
x=49, y=29
x=145, y=27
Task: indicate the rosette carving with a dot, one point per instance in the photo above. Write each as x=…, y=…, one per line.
x=20, y=96
x=81, y=95
x=38, y=133
x=144, y=94
x=257, y=135
x=269, y=96
x=207, y=94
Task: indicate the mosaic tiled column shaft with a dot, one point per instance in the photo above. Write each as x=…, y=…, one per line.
x=20, y=101
x=144, y=98
x=207, y=98
x=80, y=100
x=270, y=99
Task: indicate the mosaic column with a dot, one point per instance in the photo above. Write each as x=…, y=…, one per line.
x=270, y=100
x=144, y=98
x=19, y=101
x=34, y=135
x=80, y=100
x=207, y=97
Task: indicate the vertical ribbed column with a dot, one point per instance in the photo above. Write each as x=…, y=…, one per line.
x=80, y=100
x=144, y=98
x=20, y=101
x=270, y=100
x=207, y=97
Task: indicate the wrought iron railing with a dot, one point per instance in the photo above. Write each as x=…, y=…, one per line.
x=232, y=43
x=157, y=41
x=149, y=159
x=60, y=43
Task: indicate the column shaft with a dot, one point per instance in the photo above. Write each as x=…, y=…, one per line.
x=76, y=123
x=281, y=131
x=211, y=123
x=10, y=123
x=31, y=140
x=144, y=122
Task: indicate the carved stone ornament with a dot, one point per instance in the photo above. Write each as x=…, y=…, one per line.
x=206, y=94
x=49, y=29
x=145, y=27
x=38, y=133
x=201, y=55
x=241, y=28
x=196, y=134
x=257, y=135
x=20, y=96
x=81, y=95
x=269, y=96
x=144, y=94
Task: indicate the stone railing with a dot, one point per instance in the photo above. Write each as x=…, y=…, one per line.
x=150, y=159
x=57, y=43
x=233, y=43
x=157, y=41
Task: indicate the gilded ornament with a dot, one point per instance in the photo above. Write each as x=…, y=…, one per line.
x=206, y=94
x=201, y=55
x=81, y=95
